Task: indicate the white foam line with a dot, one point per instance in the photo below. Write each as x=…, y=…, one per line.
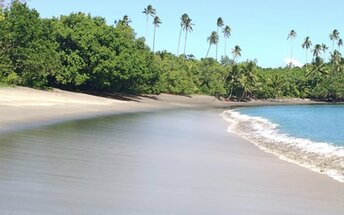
x=320, y=157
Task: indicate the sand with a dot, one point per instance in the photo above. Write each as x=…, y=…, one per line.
x=225, y=174
x=22, y=107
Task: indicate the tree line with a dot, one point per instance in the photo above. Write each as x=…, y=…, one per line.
x=79, y=52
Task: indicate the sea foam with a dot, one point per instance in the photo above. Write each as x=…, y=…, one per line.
x=321, y=157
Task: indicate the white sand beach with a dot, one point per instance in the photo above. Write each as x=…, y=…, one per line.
x=210, y=171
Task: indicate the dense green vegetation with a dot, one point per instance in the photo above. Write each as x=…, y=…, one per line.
x=83, y=53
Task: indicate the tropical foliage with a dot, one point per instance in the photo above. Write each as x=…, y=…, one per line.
x=83, y=53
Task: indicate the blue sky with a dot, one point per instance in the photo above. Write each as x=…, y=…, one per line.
x=260, y=28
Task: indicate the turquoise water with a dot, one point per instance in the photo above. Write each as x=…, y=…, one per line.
x=320, y=123
x=308, y=135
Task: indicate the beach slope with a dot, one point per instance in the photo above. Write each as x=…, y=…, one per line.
x=202, y=170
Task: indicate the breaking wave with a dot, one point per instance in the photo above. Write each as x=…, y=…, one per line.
x=321, y=157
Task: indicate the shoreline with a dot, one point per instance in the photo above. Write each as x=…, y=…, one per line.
x=22, y=107
x=287, y=148
x=228, y=170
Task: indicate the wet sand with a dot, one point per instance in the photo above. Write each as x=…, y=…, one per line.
x=163, y=162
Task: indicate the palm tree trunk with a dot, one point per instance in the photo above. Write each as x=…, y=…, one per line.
x=243, y=94
x=217, y=44
x=208, y=51
x=154, y=39
x=147, y=28
x=225, y=54
x=186, y=37
x=291, y=54
x=231, y=93
x=180, y=34
x=306, y=58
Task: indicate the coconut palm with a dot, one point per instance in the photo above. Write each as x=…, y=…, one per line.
x=318, y=70
x=156, y=24
x=213, y=39
x=183, y=19
x=126, y=20
x=306, y=45
x=187, y=27
x=340, y=43
x=233, y=79
x=324, y=49
x=149, y=11
x=317, y=50
x=242, y=80
x=236, y=52
x=292, y=34
x=336, y=61
x=226, y=33
x=248, y=79
x=220, y=24
x=334, y=36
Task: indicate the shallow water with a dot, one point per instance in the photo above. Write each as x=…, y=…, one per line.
x=309, y=135
x=320, y=123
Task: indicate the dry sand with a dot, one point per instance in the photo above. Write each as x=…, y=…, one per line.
x=25, y=107
x=237, y=179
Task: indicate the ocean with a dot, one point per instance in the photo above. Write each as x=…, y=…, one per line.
x=308, y=135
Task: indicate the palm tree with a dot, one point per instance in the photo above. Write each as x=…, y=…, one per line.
x=156, y=23
x=318, y=70
x=340, y=43
x=124, y=21
x=183, y=19
x=226, y=33
x=149, y=11
x=306, y=45
x=336, y=56
x=213, y=39
x=317, y=50
x=220, y=24
x=236, y=52
x=334, y=36
x=292, y=34
x=233, y=79
x=248, y=79
x=242, y=80
x=324, y=48
x=188, y=28
x=336, y=61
